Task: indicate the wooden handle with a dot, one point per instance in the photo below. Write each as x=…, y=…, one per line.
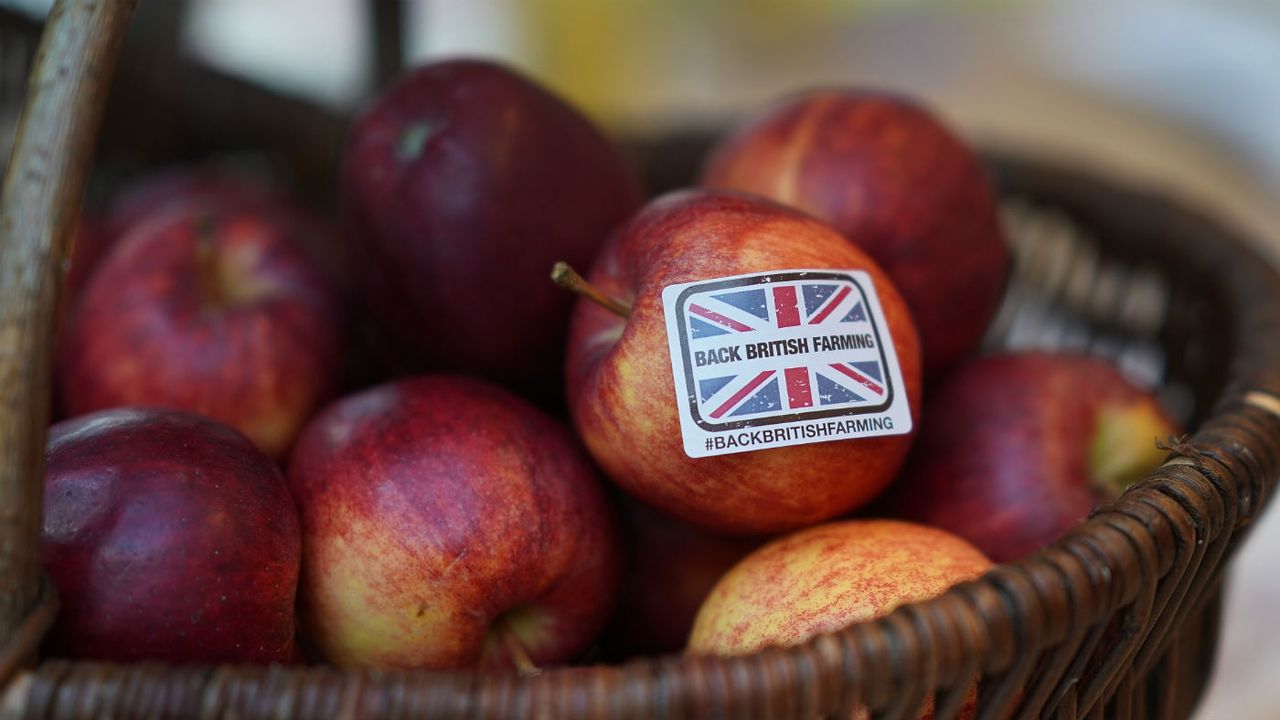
x=43, y=186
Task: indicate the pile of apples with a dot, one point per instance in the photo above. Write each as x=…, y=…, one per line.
x=223, y=491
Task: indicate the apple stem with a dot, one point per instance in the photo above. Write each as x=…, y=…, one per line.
x=569, y=279
x=524, y=664
x=207, y=262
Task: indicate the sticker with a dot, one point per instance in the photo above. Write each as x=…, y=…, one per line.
x=782, y=358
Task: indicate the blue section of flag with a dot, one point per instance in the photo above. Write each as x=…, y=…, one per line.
x=751, y=301
x=711, y=386
x=856, y=314
x=700, y=329
x=871, y=369
x=829, y=393
x=815, y=295
x=765, y=399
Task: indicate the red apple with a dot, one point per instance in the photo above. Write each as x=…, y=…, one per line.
x=1016, y=449
x=215, y=310
x=620, y=382
x=169, y=537
x=826, y=578
x=890, y=177
x=448, y=523
x=672, y=567
x=463, y=183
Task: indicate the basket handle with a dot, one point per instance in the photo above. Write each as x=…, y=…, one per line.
x=43, y=187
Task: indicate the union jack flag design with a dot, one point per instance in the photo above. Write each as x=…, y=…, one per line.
x=780, y=348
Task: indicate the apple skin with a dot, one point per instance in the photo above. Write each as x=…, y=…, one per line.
x=621, y=392
x=155, y=194
x=209, y=186
x=170, y=537
x=438, y=512
x=1016, y=449
x=889, y=176
x=672, y=567
x=827, y=577
x=462, y=185
x=218, y=311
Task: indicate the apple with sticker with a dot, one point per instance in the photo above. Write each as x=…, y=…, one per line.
x=768, y=440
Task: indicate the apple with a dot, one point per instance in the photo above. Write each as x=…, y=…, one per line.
x=462, y=184
x=170, y=537
x=671, y=568
x=215, y=310
x=621, y=391
x=447, y=523
x=894, y=180
x=828, y=577
x=1018, y=448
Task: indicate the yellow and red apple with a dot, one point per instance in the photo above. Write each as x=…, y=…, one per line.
x=621, y=387
x=826, y=578
x=447, y=523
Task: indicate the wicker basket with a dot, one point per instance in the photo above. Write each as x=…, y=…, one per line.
x=1118, y=619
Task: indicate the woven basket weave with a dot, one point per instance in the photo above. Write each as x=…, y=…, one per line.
x=1117, y=620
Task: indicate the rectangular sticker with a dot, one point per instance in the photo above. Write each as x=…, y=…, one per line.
x=782, y=358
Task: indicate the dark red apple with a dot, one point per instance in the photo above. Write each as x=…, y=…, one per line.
x=448, y=523
x=1016, y=449
x=890, y=177
x=827, y=577
x=216, y=311
x=169, y=537
x=463, y=183
x=672, y=567
x=619, y=372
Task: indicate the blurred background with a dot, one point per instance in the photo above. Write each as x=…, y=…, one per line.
x=1179, y=95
